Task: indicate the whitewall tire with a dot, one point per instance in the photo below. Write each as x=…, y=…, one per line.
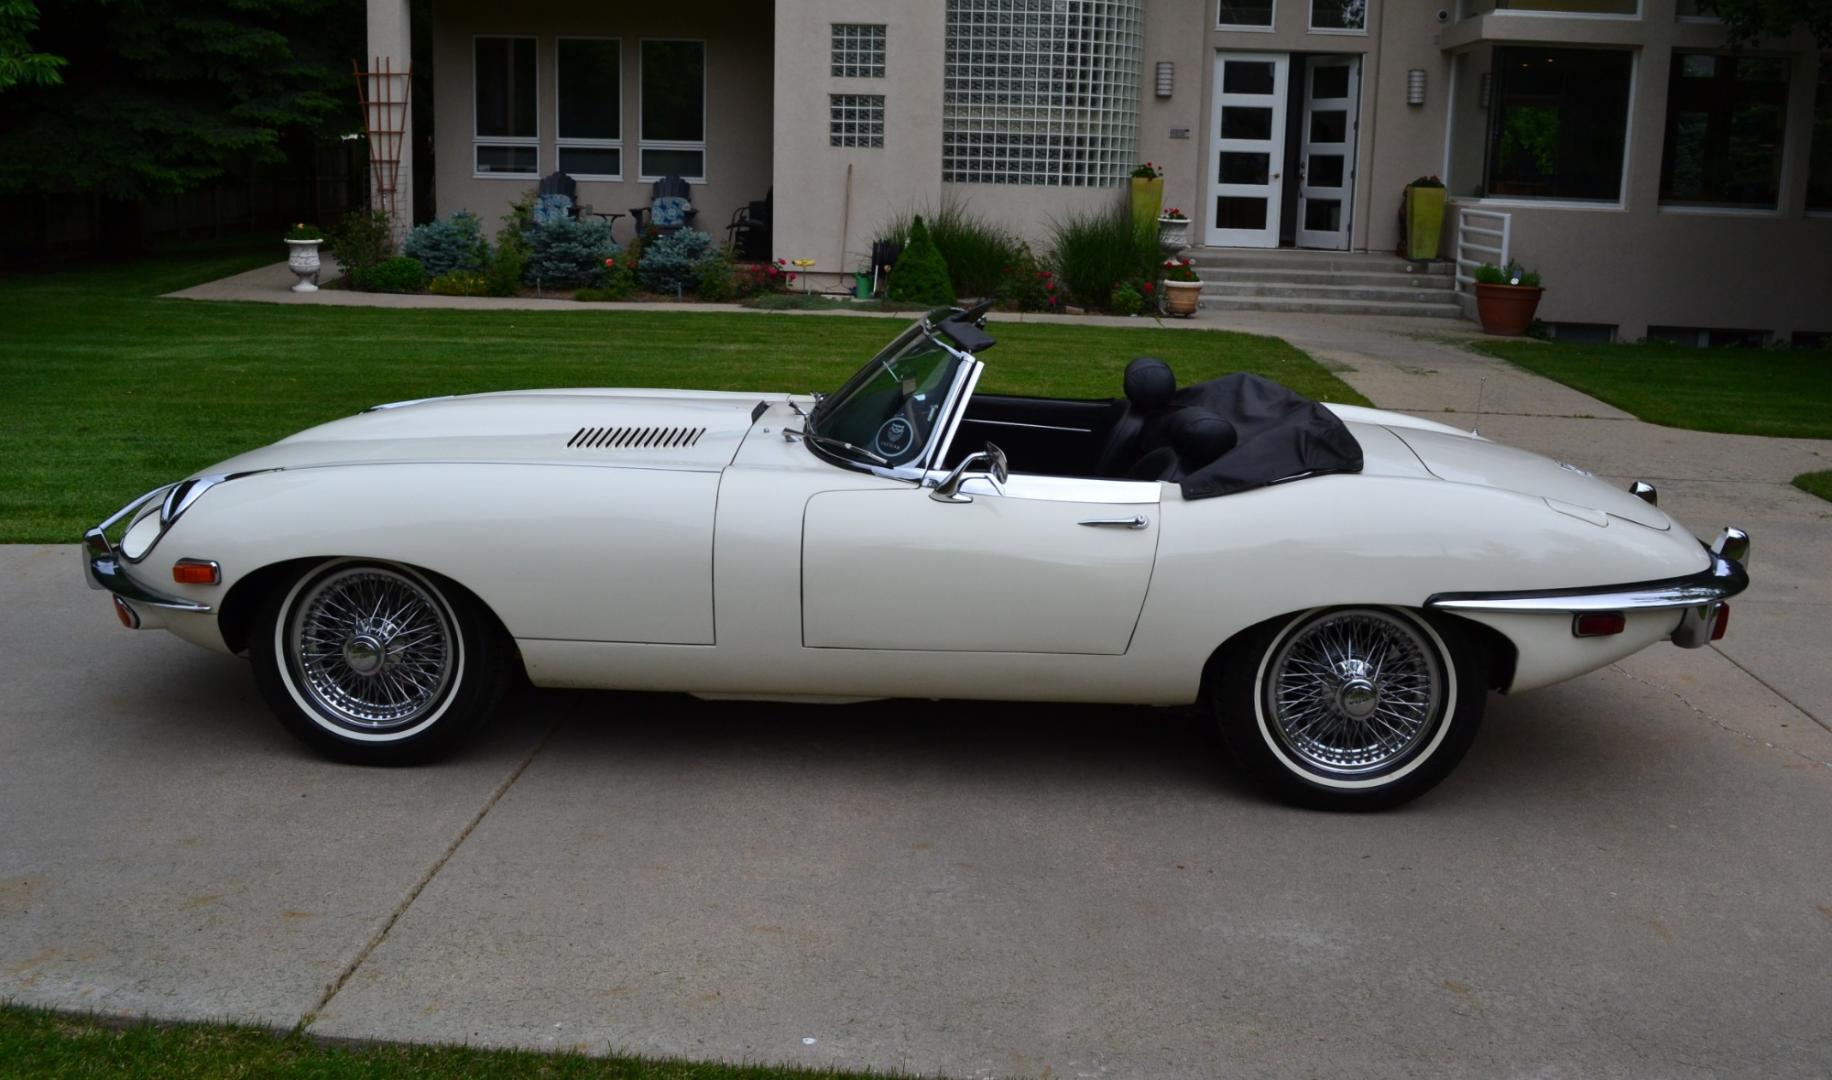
x=1351, y=708
x=377, y=663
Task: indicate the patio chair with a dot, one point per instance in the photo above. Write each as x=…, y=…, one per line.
x=747, y=235
x=670, y=208
x=558, y=197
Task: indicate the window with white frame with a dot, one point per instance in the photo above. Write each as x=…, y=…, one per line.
x=1244, y=14
x=589, y=107
x=1819, y=156
x=1726, y=117
x=673, y=110
x=858, y=51
x=1040, y=92
x=506, y=138
x=855, y=119
x=1339, y=16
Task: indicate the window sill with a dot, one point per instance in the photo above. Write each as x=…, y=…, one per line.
x=1605, y=15
x=505, y=176
x=1244, y=29
x=1687, y=210
x=1528, y=203
x=1334, y=32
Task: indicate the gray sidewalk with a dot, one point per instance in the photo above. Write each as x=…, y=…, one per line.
x=1625, y=877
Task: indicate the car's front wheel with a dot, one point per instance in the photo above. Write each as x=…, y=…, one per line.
x=1352, y=708
x=377, y=663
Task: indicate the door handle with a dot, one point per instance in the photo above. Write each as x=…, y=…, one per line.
x=1136, y=521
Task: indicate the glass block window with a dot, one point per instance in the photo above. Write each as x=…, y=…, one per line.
x=855, y=119
x=858, y=51
x=1042, y=91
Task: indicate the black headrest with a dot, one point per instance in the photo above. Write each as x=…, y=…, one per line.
x=1150, y=383
x=1201, y=436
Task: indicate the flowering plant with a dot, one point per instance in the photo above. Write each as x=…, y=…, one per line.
x=1180, y=270
x=1147, y=171
x=1174, y=214
x=302, y=231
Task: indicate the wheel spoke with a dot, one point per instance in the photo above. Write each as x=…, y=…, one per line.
x=372, y=648
x=1354, y=691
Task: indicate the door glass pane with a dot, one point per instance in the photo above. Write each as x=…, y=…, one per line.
x=1329, y=126
x=690, y=164
x=1242, y=77
x=1245, y=13
x=1240, y=212
x=1323, y=215
x=673, y=91
x=591, y=160
x=1244, y=168
x=1329, y=81
x=1324, y=170
x=589, y=82
x=1244, y=123
x=1725, y=115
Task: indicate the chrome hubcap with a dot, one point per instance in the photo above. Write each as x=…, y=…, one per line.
x=1353, y=692
x=371, y=648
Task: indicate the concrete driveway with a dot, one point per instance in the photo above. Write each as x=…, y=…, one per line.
x=1627, y=877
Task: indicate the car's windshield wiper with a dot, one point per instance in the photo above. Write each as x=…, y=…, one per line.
x=840, y=444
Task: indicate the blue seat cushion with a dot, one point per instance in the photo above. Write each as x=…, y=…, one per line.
x=668, y=211
x=551, y=208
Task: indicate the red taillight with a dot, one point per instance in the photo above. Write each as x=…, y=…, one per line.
x=1599, y=624
x=126, y=614
x=196, y=572
x=1721, y=623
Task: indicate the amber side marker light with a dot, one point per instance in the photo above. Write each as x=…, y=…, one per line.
x=129, y=618
x=196, y=572
x=1599, y=624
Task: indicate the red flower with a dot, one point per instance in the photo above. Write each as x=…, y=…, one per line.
x=1051, y=287
x=610, y=262
x=1148, y=288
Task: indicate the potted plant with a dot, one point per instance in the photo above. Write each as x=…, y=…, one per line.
x=1173, y=229
x=302, y=242
x=1424, y=217
x=1506, y=298
x=1182, y=288
x=1147, y=192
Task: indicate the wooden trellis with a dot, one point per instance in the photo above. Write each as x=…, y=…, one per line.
x=382, y=92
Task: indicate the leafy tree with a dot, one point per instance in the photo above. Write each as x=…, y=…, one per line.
x=18, y=62
x=159, y=96
x=1749, y=21
x=920, y=275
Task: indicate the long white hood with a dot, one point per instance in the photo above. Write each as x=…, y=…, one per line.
x=697, y=431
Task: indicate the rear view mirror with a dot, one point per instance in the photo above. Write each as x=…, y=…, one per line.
x=989, y=464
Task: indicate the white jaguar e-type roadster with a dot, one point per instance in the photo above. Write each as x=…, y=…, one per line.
x=1341, y=586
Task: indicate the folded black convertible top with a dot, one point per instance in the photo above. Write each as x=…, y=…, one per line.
x=1282, y=435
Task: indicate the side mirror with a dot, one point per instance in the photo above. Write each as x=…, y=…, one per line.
x=988, y=464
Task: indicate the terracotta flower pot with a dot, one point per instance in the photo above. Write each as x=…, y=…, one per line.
x=1180, y=297
x=1507, y=310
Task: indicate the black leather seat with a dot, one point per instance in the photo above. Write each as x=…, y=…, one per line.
x=1149, y=386
x=1197, y=437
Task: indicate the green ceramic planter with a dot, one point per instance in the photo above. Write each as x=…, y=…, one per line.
x=1424, y=221
x=1147, y=198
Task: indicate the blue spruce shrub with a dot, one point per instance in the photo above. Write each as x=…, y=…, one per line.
x=455, y=243
x=567, y=254
x=670, y=263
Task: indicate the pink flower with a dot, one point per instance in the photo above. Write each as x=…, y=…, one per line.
x=610, y=262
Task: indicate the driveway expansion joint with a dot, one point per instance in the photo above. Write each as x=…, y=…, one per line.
x=375, y=941
x=1719, y=724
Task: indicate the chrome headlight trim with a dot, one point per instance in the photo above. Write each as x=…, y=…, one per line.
x=173, y=500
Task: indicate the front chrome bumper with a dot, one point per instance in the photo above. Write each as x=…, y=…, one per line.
x=104, y=568
x=1698, y=597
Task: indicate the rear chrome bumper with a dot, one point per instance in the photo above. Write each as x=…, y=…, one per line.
x=1698, y=597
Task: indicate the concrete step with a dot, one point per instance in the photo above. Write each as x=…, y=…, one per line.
x=1283, y=276
x=1294, y=259
x=1330, y=307
x=1286, y=290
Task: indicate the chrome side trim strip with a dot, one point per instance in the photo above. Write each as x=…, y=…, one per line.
x=1034, y=427
x=1721, y=581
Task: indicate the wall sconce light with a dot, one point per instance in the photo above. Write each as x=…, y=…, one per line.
x=1483, y=86
x=1167, y=77
x=1415, y=86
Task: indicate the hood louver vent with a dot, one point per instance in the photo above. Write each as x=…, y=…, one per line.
x=634, y=438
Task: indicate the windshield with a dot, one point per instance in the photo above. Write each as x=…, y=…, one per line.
x=889, y=408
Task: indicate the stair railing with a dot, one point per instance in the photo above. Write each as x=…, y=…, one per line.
x=1483, y=236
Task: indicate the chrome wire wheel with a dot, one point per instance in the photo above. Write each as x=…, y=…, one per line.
x=371, y=650
x=1354, y=692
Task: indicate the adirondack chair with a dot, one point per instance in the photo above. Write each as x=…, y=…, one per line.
x=747, y=235
x=670, y=208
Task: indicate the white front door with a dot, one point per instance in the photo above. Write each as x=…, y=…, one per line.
x=1326, y=156
x=1247, y=149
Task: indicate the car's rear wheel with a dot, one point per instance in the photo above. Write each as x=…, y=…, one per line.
x=1352, y=708
x=377, y=663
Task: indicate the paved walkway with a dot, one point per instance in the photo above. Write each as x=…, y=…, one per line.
x=1625, y=877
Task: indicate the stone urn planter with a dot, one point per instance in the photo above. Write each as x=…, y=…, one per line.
x=1180, y=297
x=302, y=259
x=1174, y=233
x=1507, y=310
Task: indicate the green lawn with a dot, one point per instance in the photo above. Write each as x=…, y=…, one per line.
x=41, y=1044
x=1741, y=391
x=1818, y=483
x=108, y=391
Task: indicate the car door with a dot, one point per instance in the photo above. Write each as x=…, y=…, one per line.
x=1048, y=565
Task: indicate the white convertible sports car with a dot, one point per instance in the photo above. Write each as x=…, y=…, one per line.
x=1342, y=587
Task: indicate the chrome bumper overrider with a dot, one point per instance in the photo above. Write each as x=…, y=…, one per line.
x=104, y=569
x=1697, y=596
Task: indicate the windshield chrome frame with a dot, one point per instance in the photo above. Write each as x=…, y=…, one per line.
x=953, y=410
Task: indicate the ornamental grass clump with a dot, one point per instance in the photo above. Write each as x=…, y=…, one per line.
x=1095, y=253
x=921, y=274
x=455, y=243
